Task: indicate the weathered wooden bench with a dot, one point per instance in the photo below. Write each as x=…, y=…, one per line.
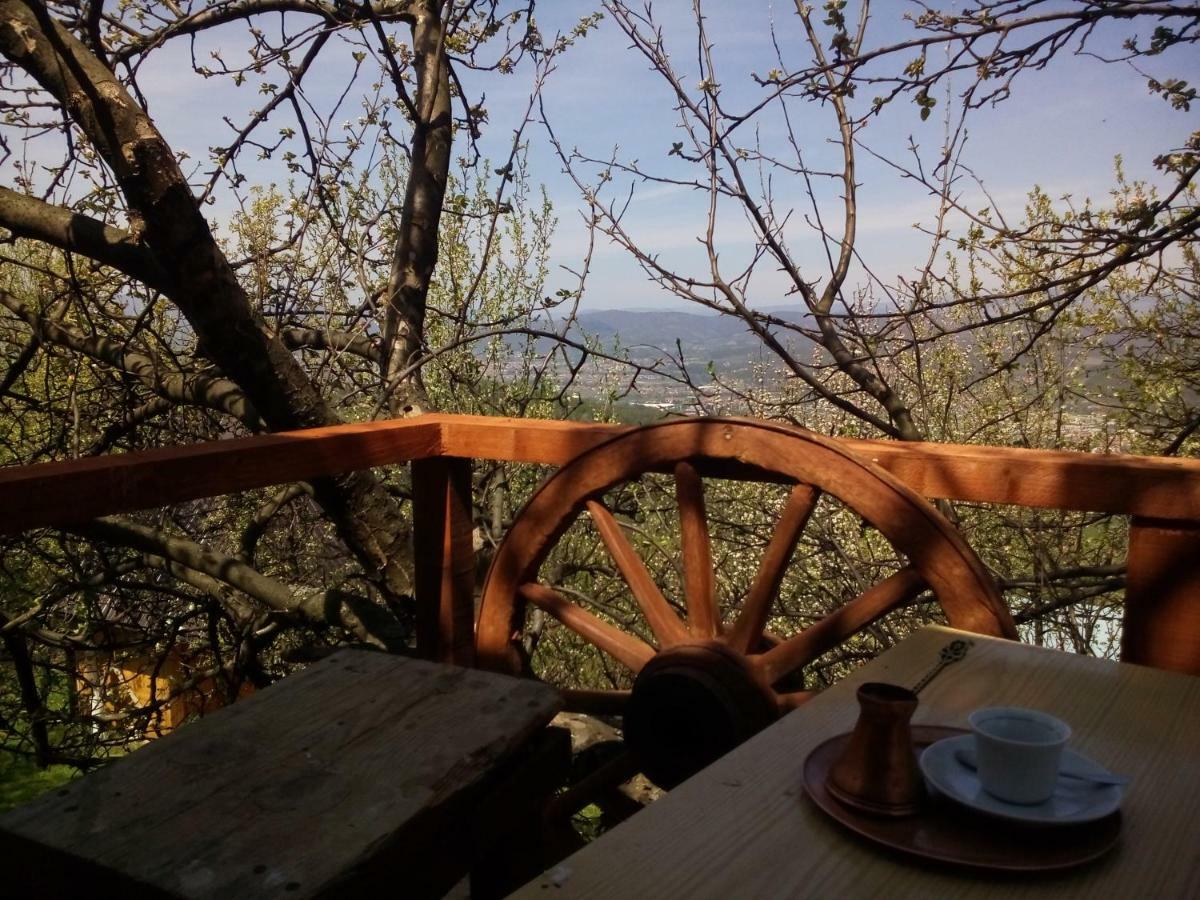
x=363, y=774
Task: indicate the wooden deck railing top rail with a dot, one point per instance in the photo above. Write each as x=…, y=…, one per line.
x=1162, y=497
x=64, y=493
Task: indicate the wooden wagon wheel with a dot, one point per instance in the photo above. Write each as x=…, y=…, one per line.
x=704, y=688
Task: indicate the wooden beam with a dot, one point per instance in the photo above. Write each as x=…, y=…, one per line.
x=67, y=493
x=70, y=492
x=1162, y=596
x=1158, y=487
x=520, y=440
x=444, y=558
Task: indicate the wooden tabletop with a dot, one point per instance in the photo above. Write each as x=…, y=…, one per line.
x=744, y=827
x=350, y=769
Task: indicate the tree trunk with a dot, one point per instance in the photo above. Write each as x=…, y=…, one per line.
x=166, y=218
x=417, y=243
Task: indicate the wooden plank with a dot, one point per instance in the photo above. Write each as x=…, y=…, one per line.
x=444, y=559
x=1162, y=596
x=65, y=493
x=1161, y=487
x=1167, y=488
x=520, y=440
x=356, y=768
x=743, y=827
x=75, y=491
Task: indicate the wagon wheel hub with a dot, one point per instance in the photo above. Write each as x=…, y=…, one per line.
x=691, y=704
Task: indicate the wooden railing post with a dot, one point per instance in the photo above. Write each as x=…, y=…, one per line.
x=444, y=559
x=1162, y=595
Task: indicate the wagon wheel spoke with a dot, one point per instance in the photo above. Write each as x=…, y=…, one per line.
x=699, y=581
x=856, y=614
x=595, y=703
x=753, y=618
x=659, y=615
x=625, y=648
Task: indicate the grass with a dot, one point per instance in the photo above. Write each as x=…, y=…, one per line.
x=21, y=780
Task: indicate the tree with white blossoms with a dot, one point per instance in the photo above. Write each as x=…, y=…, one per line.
x=132, y=319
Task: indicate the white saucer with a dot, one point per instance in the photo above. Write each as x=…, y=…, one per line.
x=1074, y=801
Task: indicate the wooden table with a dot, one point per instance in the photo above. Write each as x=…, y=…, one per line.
x=744, y=827
x=363, y=774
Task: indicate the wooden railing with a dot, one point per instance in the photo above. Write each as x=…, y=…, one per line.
x=1161, y=497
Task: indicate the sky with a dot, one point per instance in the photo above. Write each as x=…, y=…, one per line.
x=1061, y=130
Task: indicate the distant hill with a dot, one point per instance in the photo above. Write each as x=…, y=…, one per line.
x=703, y=336
x=647, y=334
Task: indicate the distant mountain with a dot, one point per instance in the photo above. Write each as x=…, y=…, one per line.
x=703, y=336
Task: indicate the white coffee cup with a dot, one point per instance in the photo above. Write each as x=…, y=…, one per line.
x=1018, y=752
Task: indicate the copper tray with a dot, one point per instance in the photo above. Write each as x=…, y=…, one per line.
x=947, y=832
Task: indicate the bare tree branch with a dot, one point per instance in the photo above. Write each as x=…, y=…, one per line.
x=29, y=217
